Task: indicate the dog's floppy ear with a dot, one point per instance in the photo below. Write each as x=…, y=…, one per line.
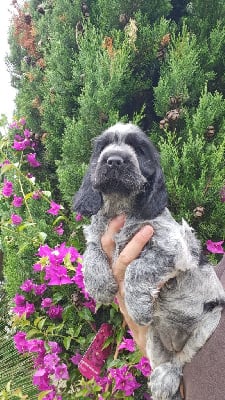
x=87, y=201
x=154, y=199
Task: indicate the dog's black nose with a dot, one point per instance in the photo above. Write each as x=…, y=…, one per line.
x=115, y=161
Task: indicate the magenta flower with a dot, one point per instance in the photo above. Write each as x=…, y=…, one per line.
x=54, y=208
x=27, y=133
x=16, y=219
x=22, y=121
x=90, y=304
x=46, y=302
x=20, y=342
x=127, y=344
x=14, y=125
x=41, y=379
x=19, y=300
x=37, y=267
x=21, y=145
x=215, y=247
x=17, y=201
x=124, y=380
x=37, y=195
x=5, y=162
x=76, y=358
x=55, y=347
x=59, y=229
x=144, y=366
x=79, y=280
x=31, y=158
x=36, y=346
x=27, y=309
x=50, y=361
x=78, y=217
x=55, y=312
x=27, y=285
x=57, y=275
x=61, y=371
x=39, y=289
x=7, y=188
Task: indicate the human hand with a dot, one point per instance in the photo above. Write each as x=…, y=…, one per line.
x=128, y=254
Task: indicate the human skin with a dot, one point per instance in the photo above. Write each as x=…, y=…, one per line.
x=128, y=254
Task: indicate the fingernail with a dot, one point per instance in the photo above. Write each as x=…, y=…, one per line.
x=147, y=230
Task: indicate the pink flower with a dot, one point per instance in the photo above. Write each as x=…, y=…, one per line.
x=14, y=125
x=27, y=133
x=17, y=201
x=124, y=380
x=55, y=347
x=22, y=121
x=37, y=267
x=16, y=219
x=27, y=309
x=46, y=302
x=57, y=275
x=78, y=217
x=127, y=344
x=54, y=210
x=39, y=289
x=31, y=158
x=27, y=285
x=5, y=162
x=59, y=229
x=41, y=379
x=21, y=145
x=144, y=366
x=76, y=358
x=61, y=372
x=20, y=342
x=215, y=247
x=19, y=300
x=7, y=188
x=37, y=195
x=55, y=312
x=91, y=305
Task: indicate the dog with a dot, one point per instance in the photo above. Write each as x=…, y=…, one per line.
x=168, y=287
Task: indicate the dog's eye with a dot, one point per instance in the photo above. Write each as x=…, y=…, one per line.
x=209, y=306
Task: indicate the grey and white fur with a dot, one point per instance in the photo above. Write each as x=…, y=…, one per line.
x=168, y=287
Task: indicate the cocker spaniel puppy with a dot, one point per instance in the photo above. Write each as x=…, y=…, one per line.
x=166, y=287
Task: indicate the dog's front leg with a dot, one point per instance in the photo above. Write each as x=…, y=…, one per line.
x=98, y=278
x=142, y=283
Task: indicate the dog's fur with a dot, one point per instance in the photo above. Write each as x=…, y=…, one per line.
x=167, y=287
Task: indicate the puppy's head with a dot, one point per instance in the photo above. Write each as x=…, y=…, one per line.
x=124, y=162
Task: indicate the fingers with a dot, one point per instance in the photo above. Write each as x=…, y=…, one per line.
x=107, y=240
x=132, y=251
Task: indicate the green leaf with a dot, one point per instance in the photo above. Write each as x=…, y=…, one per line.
x=57, y=297
x=66, y=342
x=43, y=394
x=42, y=236
x=33, y=332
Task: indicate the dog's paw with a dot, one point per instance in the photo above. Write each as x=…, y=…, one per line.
x=102, y=291
x=165, y=382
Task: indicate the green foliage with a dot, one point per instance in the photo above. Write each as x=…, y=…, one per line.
x=181, y=74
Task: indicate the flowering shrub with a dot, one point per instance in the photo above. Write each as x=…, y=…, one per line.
x=55, y=318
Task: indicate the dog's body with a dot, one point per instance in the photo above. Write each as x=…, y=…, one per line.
x=125, y=176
